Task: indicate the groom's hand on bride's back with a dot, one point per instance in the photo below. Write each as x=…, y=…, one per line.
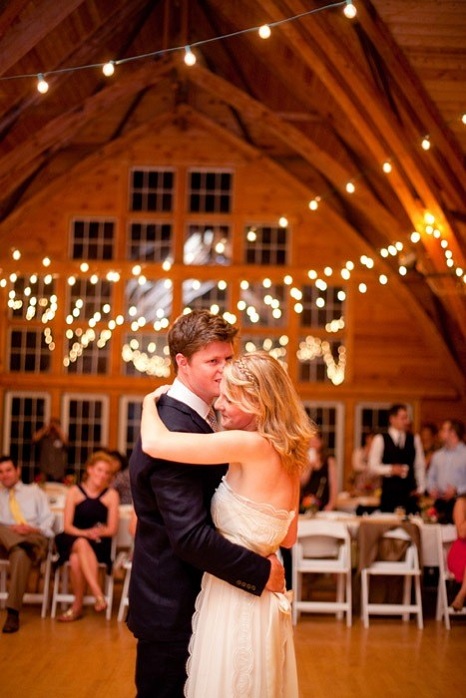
x=276, y=581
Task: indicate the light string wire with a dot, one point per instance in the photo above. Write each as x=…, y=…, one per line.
x=161, y=52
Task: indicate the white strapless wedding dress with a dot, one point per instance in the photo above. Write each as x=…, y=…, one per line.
x=242, y=645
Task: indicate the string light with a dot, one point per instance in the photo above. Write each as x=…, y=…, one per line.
x=349, y=10
x=189, y=57
x=350, y=188
x=426, y=143
x=108, y=68
x=265, y=31
x=42, y=84
x=387, y=167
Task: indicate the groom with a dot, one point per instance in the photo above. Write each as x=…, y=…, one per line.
x=175, y=540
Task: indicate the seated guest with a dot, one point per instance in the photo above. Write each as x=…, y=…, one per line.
x=457, y=554
x=363, y=480
x=319, y=487
x=26, y=523
x=447, y=473
x=397, y=456
x=90, y=521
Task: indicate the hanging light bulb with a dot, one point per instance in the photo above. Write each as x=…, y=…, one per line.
x=350, y=10
x=42, y=84
x=314, y=204
x=108, y=68
x=387, y=167
x=463, y=119
x=426, y=143
x=189, y=57
x=350, y=188
x=264, y=31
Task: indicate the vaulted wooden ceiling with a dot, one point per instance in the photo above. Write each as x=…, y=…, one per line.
x=327, y=99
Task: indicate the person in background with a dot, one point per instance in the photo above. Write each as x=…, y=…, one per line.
x=456, y=559
x=398, y=457
x=52, y=444
x=446, y=476
x=430, y=441
x=90, y=521
x=319, y=485
x=26, y=524
x=121, y=481
x=364, y=481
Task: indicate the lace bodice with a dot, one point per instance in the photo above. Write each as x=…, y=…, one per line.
x=258, y=527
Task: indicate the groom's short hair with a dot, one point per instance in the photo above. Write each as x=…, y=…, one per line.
x=193, y=331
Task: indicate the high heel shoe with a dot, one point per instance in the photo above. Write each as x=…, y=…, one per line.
x=70, y=615
x=100, y=604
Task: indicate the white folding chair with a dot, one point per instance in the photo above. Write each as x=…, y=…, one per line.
x=323, y=547
x=407, y=568
x=127, y=565
x=63, y=595
x=446, y=535
x=38, y=596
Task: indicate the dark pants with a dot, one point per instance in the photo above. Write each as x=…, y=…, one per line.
x=161, y=669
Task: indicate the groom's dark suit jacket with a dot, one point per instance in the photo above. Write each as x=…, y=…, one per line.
x=175, y=539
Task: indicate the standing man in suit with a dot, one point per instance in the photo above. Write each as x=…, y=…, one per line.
x=175, y=540
x=398, y=457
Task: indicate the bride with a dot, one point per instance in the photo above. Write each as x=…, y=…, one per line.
x=242, y=645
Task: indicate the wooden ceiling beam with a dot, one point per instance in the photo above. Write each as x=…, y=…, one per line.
x=27, y=33
x=61, y=130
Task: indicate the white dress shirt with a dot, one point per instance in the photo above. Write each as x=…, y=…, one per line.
x=34, y=507
x=385, y=469
x=180, y=392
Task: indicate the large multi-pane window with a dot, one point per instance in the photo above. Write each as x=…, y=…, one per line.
x=275, y=346
x=266, y=245
x=207, y=244
x=25, y=413
x=129, y=423
x=321, y=361
x=29, y=351
x=89, y=299
x=89, y=353
x=206, y=295
x=149, y=241
x=210, y=191
x=329, y=420
x=370, y=417
x=92, y=239
x=148, y=302
x=33, y=298
x=322, y=306
x=146, y=354
x=262, y=305
x=151, y=189
x=87, y=427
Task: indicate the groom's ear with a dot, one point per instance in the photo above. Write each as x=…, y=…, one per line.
x=181, y=360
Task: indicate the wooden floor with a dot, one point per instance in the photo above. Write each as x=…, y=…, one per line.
x=94, y=658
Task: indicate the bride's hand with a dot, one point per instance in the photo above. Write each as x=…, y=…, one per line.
x=155, y=394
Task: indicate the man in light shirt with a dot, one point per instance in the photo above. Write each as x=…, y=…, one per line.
x=398, y=457
x=26, y=523
x=446, y=477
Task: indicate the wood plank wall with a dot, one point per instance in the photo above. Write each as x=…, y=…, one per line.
x=393, y=352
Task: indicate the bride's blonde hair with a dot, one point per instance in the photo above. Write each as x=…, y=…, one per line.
x=260, y=385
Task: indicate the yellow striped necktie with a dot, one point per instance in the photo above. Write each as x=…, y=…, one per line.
x=211, y=420
x=15, y=509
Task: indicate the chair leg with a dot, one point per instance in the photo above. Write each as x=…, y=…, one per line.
x=340, y=594
x=417, y=587
x=364, y=598
x=349, y=612
x=406, y=595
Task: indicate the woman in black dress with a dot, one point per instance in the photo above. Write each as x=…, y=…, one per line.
x=90, y=521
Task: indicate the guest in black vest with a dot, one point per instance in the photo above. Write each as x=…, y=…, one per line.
x=399, y=458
